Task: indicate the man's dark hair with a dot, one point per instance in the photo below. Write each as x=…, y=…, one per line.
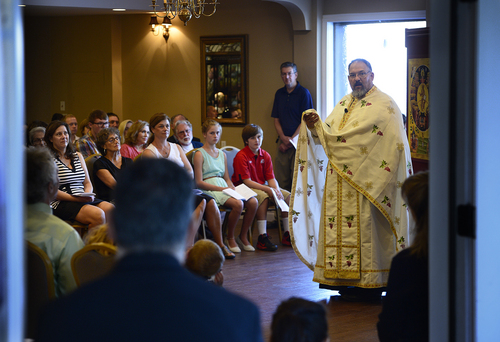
x=97, y=114
x=153, y=206
x=57, y=117
x=102, y=138
x=299, y=320
x=288, y=65
x=360, y=60
x=249, y=131
x=40, y=171
x=113, y=114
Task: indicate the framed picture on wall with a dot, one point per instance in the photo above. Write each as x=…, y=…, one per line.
x=224, y=79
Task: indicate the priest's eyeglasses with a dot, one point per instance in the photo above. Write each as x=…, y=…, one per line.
x=360, y=74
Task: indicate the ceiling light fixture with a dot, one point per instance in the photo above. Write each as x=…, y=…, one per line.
x=185, y=9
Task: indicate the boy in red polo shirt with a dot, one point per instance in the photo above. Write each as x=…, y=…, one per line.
x=253, y=167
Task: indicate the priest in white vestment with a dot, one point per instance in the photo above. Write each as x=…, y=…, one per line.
x=347, y=217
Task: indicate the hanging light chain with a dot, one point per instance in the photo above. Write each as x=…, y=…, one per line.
x=196, y=8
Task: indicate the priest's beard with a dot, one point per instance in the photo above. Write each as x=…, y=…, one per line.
x=359, y=93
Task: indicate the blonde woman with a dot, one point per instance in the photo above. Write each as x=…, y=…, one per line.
x=211, y=176
x=123, y=128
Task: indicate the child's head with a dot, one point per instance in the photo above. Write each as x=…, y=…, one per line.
x=250, y=131
x=299, y=320
x=208, y=124
x=98, y=234
x=205, y=258
x=415, y=192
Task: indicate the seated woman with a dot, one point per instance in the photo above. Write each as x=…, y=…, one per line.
x=159, y=147
x=36, y=137
x=135, y=140
x=211, y=176
x=107, y=168
x=405, y=311
x=83, y=128
x=123, y=128
x=73, y=181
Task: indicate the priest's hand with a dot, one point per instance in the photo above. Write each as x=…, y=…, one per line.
x=310, y=119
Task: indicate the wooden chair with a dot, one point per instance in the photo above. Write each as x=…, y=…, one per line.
x=40, y=288
x=81, y=228
x=89, y=162
x=92, y=262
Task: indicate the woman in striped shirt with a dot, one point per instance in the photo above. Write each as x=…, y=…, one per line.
x=74, y=200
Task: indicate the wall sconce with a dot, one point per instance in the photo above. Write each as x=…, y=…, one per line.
x=157, y=28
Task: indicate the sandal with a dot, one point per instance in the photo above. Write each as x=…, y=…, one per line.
x=227, y=253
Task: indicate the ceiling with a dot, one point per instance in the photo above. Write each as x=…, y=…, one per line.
x=86, y=7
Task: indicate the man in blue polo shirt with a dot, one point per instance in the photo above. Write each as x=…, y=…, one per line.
x=289, y=103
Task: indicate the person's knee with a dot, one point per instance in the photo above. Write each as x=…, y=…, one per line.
x=106, y=207
x=252, y=203
x=95, y=214
x=235, y=205
x=211, y=206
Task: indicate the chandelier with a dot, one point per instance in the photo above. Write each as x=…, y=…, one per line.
x=186, y=9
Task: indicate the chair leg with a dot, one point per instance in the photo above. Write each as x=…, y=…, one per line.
x=278, y=218
x=224, y=224
x=250, y=231
x=204, y=225
x=82, y=229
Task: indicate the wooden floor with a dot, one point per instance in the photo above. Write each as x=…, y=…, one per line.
x=267, y=278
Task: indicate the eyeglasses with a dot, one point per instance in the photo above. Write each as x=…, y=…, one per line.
x=101, y=124
x=113, y=139
x=360, y=74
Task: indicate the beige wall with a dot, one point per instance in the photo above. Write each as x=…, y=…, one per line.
x=116, y=64
x=78, y=60
x=67, y=59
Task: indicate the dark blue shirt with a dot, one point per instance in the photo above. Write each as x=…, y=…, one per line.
x=288, y=107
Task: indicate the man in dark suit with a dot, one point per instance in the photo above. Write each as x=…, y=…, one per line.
x=149, y=296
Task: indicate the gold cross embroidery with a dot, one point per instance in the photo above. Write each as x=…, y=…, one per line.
x=369, y=185
x=399, y=184
x=391, y=109
x=331, y=195
x=363, y=150
x=397, y=220
x=355, y=124
x=400, y=146
x=349, y=195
